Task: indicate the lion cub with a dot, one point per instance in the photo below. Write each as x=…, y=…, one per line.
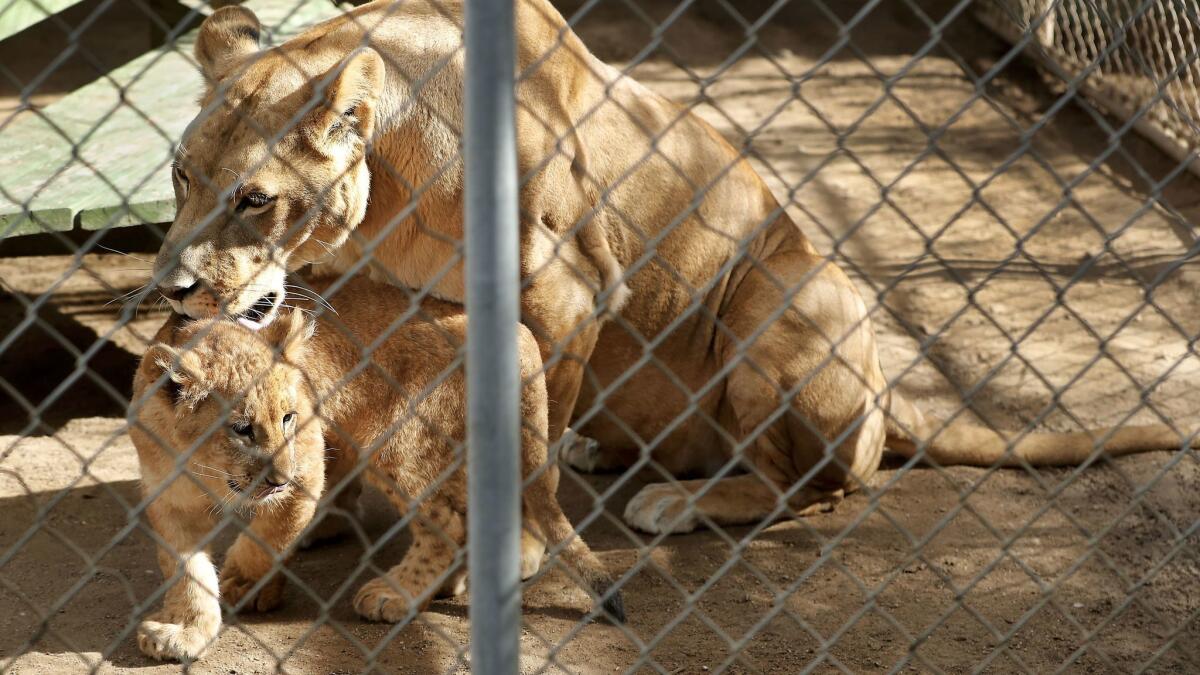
x=227, y=417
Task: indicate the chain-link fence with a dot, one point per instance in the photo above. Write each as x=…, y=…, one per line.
x=835, y=323
x=1134, y=59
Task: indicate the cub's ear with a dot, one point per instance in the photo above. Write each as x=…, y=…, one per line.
x=351, y=90
x=226, y=36
x=289, y=334
x=182, y=386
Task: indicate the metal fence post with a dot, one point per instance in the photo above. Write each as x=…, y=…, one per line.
x=493, y=375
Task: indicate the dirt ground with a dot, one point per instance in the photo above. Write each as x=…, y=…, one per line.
x=995, y=293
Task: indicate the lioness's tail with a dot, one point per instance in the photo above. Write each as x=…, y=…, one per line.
x=542, y=505
x=966, y=444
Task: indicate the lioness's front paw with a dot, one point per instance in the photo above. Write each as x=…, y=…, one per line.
x=173, y=641
x=661, y=508
x=235, y=586
x=382, y=599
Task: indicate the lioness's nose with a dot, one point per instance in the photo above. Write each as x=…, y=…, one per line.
x=178, y=293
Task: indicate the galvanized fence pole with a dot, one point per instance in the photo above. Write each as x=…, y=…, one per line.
x=493, y=375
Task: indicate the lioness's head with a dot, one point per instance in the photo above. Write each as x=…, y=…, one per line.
x=237, y=400
x=270, y=175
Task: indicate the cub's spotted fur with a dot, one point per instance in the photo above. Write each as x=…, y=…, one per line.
x=290, y=395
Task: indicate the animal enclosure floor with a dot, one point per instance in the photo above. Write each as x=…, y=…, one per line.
x=1026, y=314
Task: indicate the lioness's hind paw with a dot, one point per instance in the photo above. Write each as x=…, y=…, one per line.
x=661, y=508
x=173, y=641
x=580, y=452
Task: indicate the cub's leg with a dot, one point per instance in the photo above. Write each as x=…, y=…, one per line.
x=438, y=533
x=274, y=532
x=190, y=618
x=339, y=506
x=817, y=364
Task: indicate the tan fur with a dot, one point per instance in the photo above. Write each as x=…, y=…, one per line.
x=399, y=424
x=739, y=313
x=178, y=404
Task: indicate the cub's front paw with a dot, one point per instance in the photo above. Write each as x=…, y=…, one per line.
x=235, y=585
x=174, y=641
x=382, y=599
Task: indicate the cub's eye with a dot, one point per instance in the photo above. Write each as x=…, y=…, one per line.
x=254, y=201
x=288, y=419
x=242, y=429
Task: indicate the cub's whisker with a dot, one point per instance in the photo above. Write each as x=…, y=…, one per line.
x=213, y=468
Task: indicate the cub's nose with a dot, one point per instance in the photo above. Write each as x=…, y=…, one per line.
x=178, y=293
x=276, y=480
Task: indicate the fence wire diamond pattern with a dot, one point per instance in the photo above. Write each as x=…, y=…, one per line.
x=262, y=217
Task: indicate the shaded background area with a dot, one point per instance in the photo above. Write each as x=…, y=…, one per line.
x=1037, y=278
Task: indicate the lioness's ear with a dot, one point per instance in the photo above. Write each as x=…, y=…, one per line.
x=226, y=36
x=350, y=96
x=289, y=334
x=182, y=386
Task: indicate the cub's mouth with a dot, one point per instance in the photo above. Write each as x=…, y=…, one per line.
x=262, y=312
x=263, y=491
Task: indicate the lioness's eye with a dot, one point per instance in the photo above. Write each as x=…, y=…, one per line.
x=243, y=429
x=288, y=419
x=181, y=176
x=254, y=200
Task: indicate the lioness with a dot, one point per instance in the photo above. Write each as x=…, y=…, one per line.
x=736, y=335
x=243, y=420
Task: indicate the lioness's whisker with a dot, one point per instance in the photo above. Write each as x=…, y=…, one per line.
x=327, y=246
x=127, y=255
x=284, y=305
x=311, y=295
x=126, y=297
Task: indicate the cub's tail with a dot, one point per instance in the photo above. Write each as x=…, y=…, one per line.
x=966, y=444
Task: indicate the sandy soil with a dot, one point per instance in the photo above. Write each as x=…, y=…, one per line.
x=995, y=293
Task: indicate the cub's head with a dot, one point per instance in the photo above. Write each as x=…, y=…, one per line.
x=234, y=403
x=271, y=174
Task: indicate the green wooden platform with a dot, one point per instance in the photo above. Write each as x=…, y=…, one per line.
x=17, y=15
x=100, y=155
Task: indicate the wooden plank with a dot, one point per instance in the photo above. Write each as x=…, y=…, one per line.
x=100, y=155
x=17, y=15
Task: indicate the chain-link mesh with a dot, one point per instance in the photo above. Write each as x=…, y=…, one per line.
x=760, y=241
x=1137, y=60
